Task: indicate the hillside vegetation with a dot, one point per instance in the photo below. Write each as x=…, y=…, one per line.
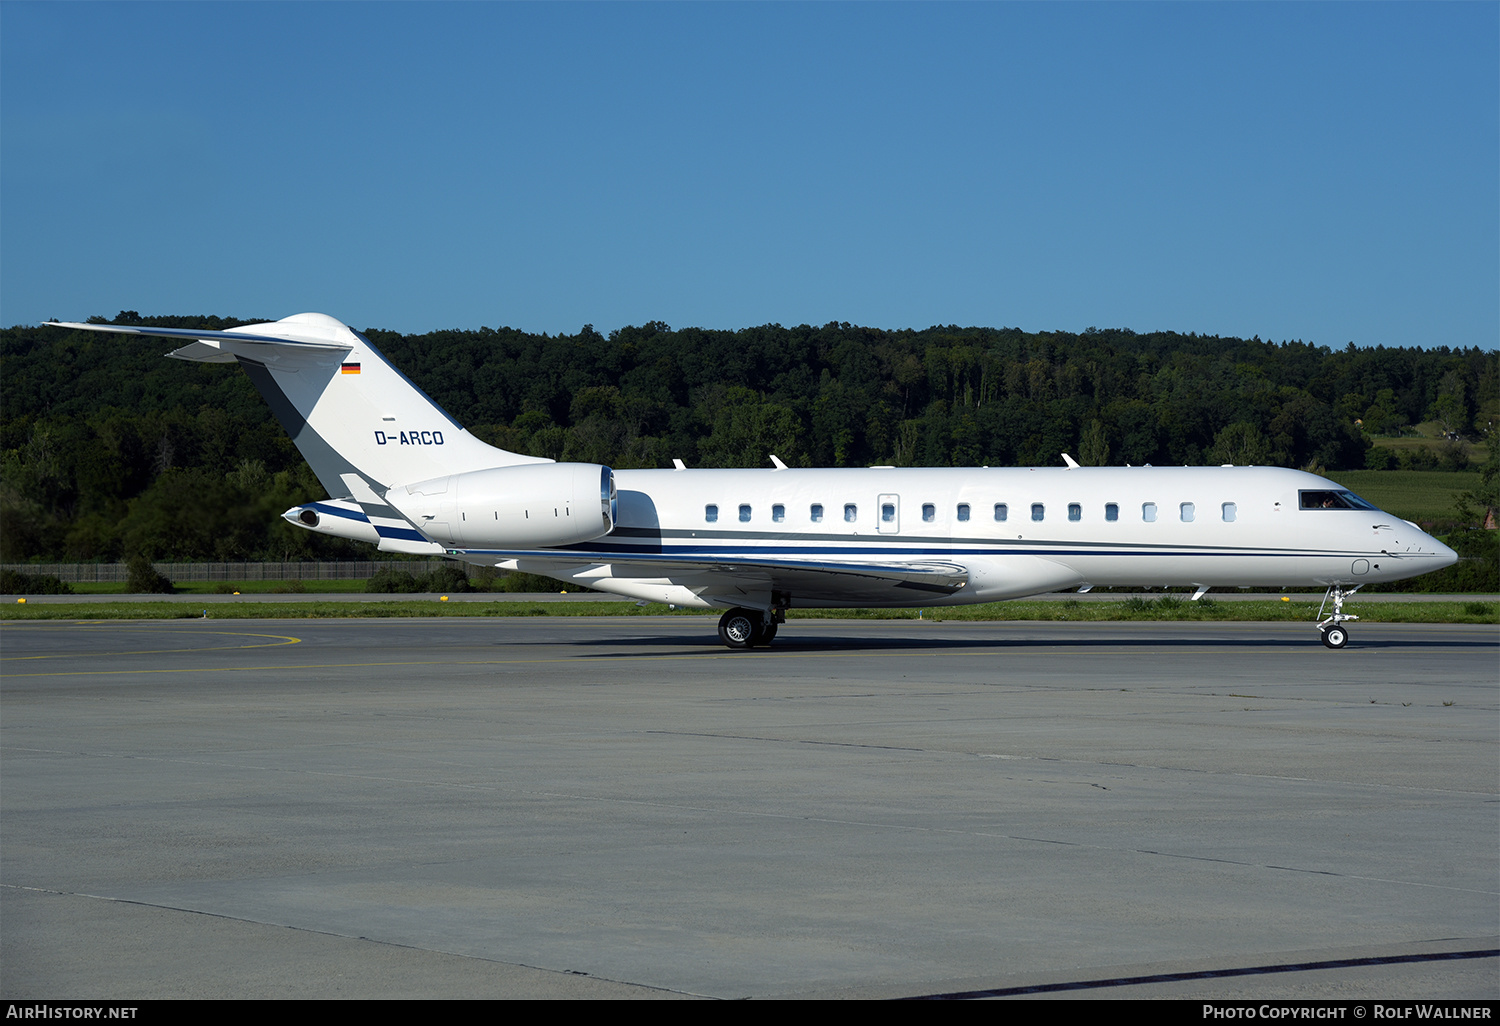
x=107, y=450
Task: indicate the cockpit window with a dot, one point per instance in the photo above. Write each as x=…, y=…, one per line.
x=1333, y=499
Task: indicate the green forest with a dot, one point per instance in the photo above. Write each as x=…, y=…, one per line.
x=109, y=451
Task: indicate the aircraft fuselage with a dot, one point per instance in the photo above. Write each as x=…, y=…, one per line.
x=1015, y=531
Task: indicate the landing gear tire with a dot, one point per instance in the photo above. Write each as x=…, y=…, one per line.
x=1336, y=636
x=767, y=633
x=740, y=628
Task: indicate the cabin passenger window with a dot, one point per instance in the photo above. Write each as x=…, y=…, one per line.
x=929, y=512
x=1148, y=512
x=1186, y=512
x=1111, y=511
x=1229, y=511
x=711, y=513
x=888, y=512
x=1075, y=512
x=851, y=512
x=778, y=513
x=963, y=511
x=1002, y=512
x=817, y=512
x=1038, y=511
x=744, y=513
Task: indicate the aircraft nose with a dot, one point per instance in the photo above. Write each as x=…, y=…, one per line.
x=1442, y=553
x=1431, y=552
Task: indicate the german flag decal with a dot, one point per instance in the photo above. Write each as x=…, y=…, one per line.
x=349, y=368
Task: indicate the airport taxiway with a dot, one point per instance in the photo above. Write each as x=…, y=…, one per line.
x=619, y=807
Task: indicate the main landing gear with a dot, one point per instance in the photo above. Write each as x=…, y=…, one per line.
x=746, y=628
x=1335, y=634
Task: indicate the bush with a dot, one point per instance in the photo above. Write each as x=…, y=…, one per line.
x=143, y=578
x=1453, y=456
x=393, y=581
x=519, y=583
x=447, y=578
x=12, y=583
x=1421, y=458
x=484, y=578
x=1470, y=575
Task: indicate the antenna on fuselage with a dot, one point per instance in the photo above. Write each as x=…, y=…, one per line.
x=1070, y=461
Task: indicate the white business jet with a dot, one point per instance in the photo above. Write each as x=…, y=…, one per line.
x=404, y=476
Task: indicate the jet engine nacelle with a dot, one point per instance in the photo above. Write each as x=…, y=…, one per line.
x=531, y=506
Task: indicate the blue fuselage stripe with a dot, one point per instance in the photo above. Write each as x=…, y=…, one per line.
x=403, y=533
x=336, y=511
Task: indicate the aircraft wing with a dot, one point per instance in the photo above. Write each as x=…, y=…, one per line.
x=810, y=580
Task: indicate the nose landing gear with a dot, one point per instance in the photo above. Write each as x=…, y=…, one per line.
x=1335, y=634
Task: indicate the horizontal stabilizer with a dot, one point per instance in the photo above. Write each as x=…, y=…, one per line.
x=299, y=339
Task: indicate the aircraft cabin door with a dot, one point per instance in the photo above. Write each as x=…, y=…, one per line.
x=889, y=513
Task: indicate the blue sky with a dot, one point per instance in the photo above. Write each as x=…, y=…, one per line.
x=1329, y=172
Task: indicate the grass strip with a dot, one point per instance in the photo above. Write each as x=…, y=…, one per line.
x=1166, y=608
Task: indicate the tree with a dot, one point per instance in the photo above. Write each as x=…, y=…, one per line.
x=1093, y=448
x=1242, y=444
